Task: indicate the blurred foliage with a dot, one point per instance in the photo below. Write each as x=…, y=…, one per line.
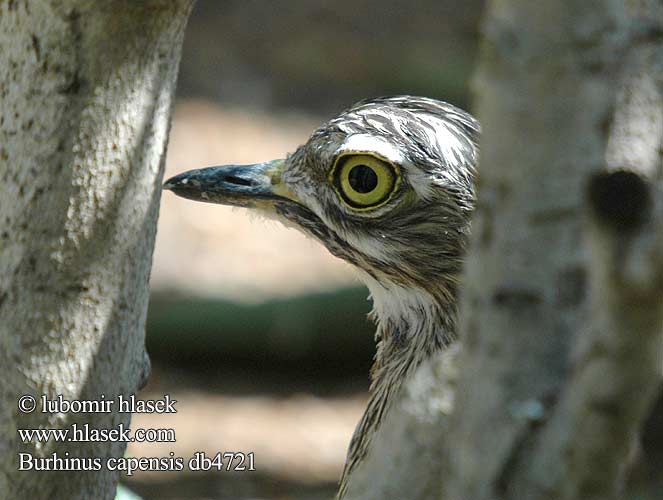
x=322, y=56
x=309, y=335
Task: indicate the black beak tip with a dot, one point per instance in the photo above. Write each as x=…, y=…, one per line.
x=188, y=185
x=174, y=182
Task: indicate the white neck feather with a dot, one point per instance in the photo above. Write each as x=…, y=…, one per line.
x=415, y=309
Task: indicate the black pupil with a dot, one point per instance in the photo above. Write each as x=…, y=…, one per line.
x=363, y=179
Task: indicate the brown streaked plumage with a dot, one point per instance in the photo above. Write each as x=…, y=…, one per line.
x=387, y=185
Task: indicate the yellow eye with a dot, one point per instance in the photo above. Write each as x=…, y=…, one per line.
x=363, y=181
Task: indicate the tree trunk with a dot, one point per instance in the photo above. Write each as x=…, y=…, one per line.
x=562, y=309
x=85, y=98
x=562, y=316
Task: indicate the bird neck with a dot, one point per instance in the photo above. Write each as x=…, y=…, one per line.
x=413, y=318
x=412, y=324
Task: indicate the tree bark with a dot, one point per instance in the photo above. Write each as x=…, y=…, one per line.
x=562, y=306
x=562, y=312
x=85, y=97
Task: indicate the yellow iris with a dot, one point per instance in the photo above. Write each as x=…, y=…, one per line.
x=364, y=181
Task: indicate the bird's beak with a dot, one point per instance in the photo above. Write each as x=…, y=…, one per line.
x=241, y=185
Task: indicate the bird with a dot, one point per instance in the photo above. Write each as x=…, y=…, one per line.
x=387, y=185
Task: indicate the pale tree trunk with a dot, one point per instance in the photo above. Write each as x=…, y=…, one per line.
x=85, y=100
x=562, y=306
x=563, y=301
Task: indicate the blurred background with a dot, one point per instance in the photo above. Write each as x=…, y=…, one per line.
x=259, y=334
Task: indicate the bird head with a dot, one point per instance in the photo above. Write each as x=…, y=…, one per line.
x=387, y=185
